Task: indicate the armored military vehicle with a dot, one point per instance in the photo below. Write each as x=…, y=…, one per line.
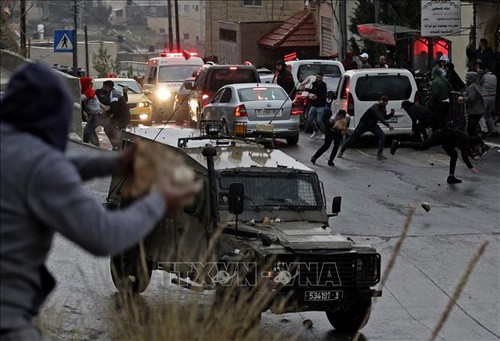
x=259, y=226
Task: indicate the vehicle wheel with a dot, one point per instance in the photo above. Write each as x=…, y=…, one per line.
x=128, y=272
x=292, y=140
x=352, y=319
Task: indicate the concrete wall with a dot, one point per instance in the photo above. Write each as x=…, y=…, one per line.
x=11, y=61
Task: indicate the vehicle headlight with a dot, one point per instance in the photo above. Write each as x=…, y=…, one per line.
x=143, y=104
x=368, y=269
x=143, y=116
x=163, y=94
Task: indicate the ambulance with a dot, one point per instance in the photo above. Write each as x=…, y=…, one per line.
x=163, y=78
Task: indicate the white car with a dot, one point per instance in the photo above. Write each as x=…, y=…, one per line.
x=262, y=109
x=360, y=89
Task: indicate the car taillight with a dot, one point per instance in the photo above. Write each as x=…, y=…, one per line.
x=240, y=111
x=296, y=110
x=350, y=105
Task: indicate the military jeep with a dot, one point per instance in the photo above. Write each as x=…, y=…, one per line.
x=258, y=229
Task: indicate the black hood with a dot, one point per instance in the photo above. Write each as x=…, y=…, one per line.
x=37, y=101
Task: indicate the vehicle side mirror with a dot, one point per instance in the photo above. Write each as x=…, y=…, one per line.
x=336, y=204
x=188, y=86
x=236, y=195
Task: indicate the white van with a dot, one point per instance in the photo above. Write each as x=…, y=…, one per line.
x=360, y=89
x=163, y=79
x=301, y=69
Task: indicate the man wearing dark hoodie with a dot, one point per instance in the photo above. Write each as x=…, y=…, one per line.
x=449, y=139
x=42, y=193
x=439, y=99
x=453, y=77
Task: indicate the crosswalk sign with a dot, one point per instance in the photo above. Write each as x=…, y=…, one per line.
x=63, y=40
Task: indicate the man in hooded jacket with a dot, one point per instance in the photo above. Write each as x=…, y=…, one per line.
x=474, y=102
x=439, y=99
x=42, y=193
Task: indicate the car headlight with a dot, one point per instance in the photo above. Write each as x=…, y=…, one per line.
x=143, y=116
x=163, y=94
x=143, y=104
x=368, y=269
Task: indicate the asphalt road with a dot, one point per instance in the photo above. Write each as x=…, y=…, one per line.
x=376, y=199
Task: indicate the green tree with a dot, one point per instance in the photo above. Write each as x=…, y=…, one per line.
x=392, y=12
x=103, y=63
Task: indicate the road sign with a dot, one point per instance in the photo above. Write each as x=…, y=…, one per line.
x=63, y=40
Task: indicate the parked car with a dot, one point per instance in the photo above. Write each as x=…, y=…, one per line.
x=210, y=79
x=181, y=101
x=360, y=89
x=264, y=109
x=141, y=108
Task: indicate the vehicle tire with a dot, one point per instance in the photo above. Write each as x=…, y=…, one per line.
x=292, y=140
x=352, y=319
x=128, y=272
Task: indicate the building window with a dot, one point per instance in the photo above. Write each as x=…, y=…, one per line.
x=252, y=3
x=227, y=35
x=187, y=8
x=162, y=30
x=186, y=36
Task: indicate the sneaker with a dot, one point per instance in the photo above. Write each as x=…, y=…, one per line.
x=313, y=161
x=452, y=180
x=313, y=135
x=330, y=163
x=322, y=136
x=381, y=157
x=394, y=146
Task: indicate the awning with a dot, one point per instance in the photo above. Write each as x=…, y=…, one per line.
x=386, y=34
x=297, y=31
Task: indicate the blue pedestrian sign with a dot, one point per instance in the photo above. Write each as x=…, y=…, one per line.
x=63, y=40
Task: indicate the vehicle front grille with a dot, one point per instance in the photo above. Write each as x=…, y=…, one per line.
x=322, y=270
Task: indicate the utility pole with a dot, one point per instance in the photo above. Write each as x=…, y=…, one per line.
x=87, y=67
x=376, y=5
x=75, y=39
x=170, y=33
x=343, y=28
x=177, y=34
x=22, y=15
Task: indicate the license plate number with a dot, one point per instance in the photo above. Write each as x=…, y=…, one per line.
x=323, y=295
x=267, y=113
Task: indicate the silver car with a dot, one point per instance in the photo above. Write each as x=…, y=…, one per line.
x=254, y=109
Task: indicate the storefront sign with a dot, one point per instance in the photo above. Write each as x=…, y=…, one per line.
x=440, y=18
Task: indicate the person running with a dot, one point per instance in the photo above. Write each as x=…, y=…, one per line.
x=449, y=139
x=369, y=122
x=335, y=130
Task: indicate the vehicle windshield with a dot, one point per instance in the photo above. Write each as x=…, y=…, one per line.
x=133, y=86
x=176, y=73
x=221, y=77
x=261, y=94
x=284, y=190
x=312, y=69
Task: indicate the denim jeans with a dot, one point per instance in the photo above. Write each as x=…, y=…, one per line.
x=361, y=129
x=315, y=119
